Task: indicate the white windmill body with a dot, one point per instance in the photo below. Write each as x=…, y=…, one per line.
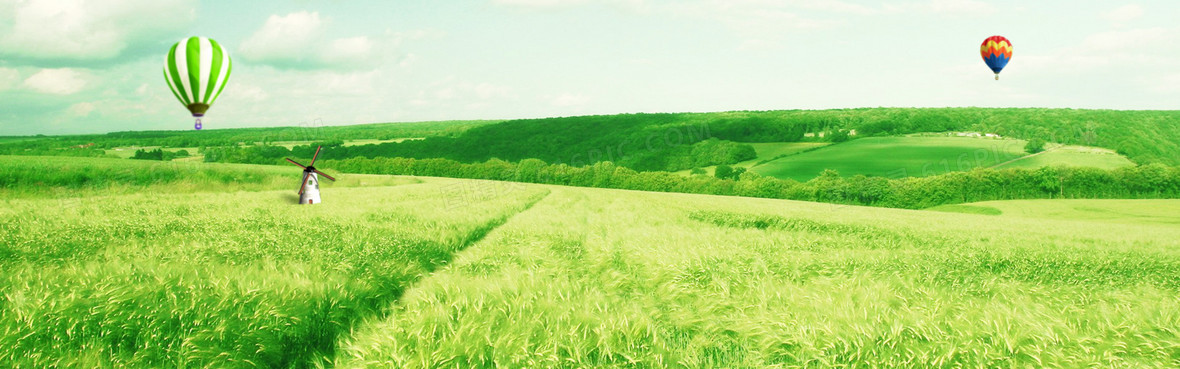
x=309, y=192
x=311, y=189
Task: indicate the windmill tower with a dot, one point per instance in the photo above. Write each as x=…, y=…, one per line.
x=309, y=192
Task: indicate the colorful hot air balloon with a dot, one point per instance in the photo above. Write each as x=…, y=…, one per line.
x=996, y=51
x=197, y=69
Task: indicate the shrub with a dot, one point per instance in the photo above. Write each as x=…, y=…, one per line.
x=1034, y=146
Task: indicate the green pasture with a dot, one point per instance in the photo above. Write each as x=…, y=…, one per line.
x=895, y=157
x=1056, y=154
x=1104, y=210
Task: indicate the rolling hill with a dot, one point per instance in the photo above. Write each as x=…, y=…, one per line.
x=895, y=157
x=1072, y=155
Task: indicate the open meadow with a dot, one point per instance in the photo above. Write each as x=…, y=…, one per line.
x=418, y=272
x=921, y=156
x=1097, y=210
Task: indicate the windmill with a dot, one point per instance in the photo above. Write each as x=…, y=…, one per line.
x=309, y=192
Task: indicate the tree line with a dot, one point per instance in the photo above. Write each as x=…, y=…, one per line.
x=1144, y=181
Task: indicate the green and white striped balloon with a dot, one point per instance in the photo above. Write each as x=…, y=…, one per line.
x=197, y=69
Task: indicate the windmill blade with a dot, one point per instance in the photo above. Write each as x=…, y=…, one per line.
x=293, y=162
x=306, y=175
x=325, y=175
x=317, y=154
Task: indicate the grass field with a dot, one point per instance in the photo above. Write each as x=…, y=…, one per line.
x=226, y=280
x=1116, y=211
x=1071, y=155
x=925, y=155
x=428, y=273
x=896, y=157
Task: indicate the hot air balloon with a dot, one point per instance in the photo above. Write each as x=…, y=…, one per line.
x=197, y=69
x=996, y=51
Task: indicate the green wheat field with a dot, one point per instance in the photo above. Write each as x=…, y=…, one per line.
x=207, y=265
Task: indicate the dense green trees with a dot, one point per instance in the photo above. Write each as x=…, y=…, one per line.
x=1034, y=146
x=159, y=154
x=1146, y=181
x=306, y=131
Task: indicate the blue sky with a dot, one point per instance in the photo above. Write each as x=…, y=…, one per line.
x=84, y=66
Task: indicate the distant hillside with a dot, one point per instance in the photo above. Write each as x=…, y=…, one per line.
x=306, y=132
x=673, y=141
x=648, y=142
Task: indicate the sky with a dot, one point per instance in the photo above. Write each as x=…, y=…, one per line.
x=93, y=66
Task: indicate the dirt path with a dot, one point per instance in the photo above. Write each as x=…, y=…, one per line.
x=1017, y=159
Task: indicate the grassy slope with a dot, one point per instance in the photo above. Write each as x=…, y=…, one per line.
x=1119, y=211
x=605, y=278
x=1071, y=155
x=914, y=152
x=896, y=157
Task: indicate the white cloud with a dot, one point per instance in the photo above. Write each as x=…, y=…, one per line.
x=352, y=51
x=766, y=20
x=298, y=41
x=540, y=3
x=452, y=91
x=569, y=100
x=9, y=78
x=88, y=29
x=630, y=5
x=755, y=44
x=1129, y=39
x=961, y=7
x=284, y=38
x=944, y=7
x=1125, y=13
x=1142, y=50
x=487, y=91
x=1168, y=84
x=250, y=92
x=81, y=109
x=62, y=81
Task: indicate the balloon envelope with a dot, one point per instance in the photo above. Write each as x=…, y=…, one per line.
x=996, y=51
x=197, y=69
